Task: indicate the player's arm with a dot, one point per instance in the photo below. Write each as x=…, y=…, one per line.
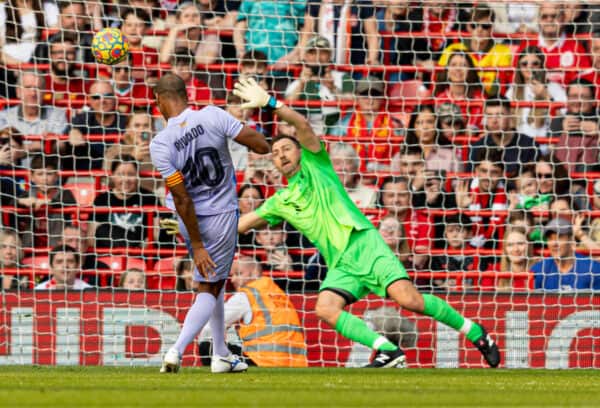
x=185, y=208
x=250, y=221
x=253, y=140
x=257, y=97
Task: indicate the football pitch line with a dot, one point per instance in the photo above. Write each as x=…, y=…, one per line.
x=22, y=386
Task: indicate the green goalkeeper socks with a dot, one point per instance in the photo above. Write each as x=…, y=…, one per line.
x=357, y=330
x=443, y=312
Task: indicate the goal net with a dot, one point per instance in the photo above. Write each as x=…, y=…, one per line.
x=466, y=132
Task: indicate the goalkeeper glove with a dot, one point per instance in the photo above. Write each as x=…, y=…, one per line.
x=170, y=225
x=255, y=95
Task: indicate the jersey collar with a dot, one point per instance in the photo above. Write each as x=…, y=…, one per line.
x=179, y=118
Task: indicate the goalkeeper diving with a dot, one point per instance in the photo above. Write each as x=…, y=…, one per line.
x=359, y=261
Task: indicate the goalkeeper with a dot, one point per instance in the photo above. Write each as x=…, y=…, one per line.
x=359, y=261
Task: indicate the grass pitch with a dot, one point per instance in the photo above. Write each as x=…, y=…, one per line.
x=145, y=387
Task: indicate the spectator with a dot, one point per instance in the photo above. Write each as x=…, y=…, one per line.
x=527, y=195
x=397, y=16
x=74, y=237
x=11, y=253
x=530, y=84
x=565, y=57
x=318, y=81
x=277, y=257
x=123, y=228
x=393, y=234
x=485, y=53
x=12, y=154
x=133, y=279
x=64, y=267
x=517, y=258
x=593, y=74
x=394, y=196
x=30, y=117
x=250, y=197
x=271, y=27
x=72, y=21
x=517, y=149
x=184, y=269
x=515, y=17
x=101, y=120
x=182, y=64
x=187, y=33
x=268, y=322
x=439, y=19
x=452, y=125
x=433, y=196
x=485, y=192
x=459, y=83
x=136, y=143
x=423, y=130
x=40, y=225
x=409, y=163
x=564, y=270
x=129, y=94
x=578, y=130
x=63, y=85
x=21, y=25
x=346, y=162
x=577, y=18
x=254, y=64
x=370, y=119
x=351, y=28
x=143, y=59
x=219, y=14
x=456, y=238
x=588, y=238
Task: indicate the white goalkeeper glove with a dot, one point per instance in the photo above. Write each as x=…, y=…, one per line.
x=170, y=225
x=255, y=95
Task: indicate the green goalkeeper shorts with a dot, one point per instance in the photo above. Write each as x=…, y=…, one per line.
x=367, y=265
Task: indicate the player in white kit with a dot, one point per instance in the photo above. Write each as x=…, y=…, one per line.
x=192, y=154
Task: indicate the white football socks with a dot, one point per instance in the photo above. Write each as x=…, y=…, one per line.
x=195, y=320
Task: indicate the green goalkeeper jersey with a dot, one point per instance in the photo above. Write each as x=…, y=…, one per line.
x=316, y=204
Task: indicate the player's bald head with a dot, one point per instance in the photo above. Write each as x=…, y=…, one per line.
x=171, y=86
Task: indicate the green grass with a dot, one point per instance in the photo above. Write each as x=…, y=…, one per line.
x=144, y=387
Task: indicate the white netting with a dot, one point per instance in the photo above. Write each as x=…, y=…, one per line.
x=467, y=132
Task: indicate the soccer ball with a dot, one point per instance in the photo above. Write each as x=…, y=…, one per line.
x=110, y=46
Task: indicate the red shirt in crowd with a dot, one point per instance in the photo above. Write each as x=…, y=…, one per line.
x=417, y=229
x=564, y=60
x=486, y=228
x=143, y=63
x=198, y=91
x=62, y=94
x=126, y=100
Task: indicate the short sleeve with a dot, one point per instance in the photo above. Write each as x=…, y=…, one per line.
x=162, y=158
x=268, y=211
x=58, y=121
x=230, y=126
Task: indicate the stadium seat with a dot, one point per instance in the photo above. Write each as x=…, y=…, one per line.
x=118, y=263
x=411, y=90
x=164, y=276
x=84, y=193
x=37, y=261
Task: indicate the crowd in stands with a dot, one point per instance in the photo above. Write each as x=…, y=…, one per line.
x=468, y=133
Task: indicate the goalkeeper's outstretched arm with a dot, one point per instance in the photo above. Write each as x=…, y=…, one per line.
x=256, y=97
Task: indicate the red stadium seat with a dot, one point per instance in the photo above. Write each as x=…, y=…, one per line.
x=37, y=261
x=164, y=276
x=84, y=193
x=118, y=263
x=411, y=90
